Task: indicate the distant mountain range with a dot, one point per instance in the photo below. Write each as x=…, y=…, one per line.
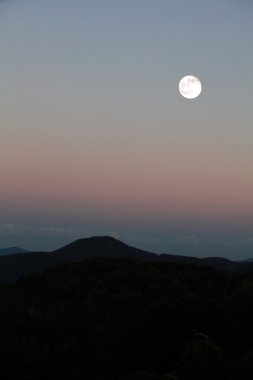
x=10, y=250
x=13, y=266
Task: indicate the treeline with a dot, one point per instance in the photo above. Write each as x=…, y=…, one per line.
x=127, y=320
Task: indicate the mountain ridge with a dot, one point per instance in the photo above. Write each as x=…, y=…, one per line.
x=101, y=246
x=11, y=250
x=14, y=266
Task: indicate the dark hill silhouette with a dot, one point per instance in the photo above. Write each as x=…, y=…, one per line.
x=101, y=246
x=15, y=266
x=10, y=250
x=218, y=263
x=123, y=319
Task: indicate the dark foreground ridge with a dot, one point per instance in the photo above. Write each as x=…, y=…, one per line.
x=125, y=319
x=15, y=266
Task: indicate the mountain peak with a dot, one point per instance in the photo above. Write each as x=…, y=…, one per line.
x=101, y=239
x=101, y=246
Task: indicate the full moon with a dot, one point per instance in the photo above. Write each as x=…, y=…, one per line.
x=190, y=87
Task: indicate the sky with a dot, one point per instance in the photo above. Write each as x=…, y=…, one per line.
x=96, y=139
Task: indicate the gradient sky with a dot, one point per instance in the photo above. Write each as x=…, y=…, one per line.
x=96, y=139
